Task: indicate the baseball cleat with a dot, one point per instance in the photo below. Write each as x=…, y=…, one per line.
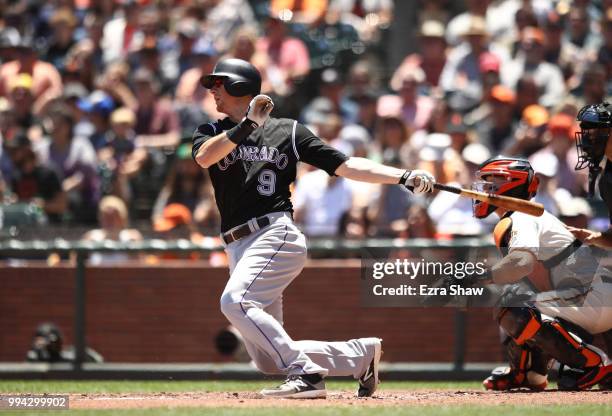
x=305, y=386
x=504, y=379
x=368, y=382
x=587, y=378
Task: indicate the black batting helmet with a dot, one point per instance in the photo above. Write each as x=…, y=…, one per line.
x=239, y=77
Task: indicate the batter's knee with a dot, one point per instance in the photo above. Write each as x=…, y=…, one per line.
x=230, y=306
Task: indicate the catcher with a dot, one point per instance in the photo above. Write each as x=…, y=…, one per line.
x=555, y=293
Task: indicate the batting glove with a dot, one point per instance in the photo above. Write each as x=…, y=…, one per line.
x=260, y=108
x=418, y=181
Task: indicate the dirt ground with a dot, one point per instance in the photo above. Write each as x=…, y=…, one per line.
x=337, y=398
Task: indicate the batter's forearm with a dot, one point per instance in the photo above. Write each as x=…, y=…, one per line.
x=213, y=150
x=365, y=170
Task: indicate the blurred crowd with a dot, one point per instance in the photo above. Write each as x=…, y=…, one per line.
x=99, y=100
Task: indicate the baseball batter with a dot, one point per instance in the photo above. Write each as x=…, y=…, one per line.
x=252, y=161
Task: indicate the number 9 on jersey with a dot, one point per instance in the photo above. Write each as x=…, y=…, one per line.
x=267, y=182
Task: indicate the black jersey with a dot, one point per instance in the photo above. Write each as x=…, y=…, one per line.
x=605, y=187
x=253, y=180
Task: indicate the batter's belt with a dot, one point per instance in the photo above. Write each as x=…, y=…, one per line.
x=245, y=229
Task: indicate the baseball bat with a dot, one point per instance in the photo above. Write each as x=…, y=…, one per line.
x=501, y=201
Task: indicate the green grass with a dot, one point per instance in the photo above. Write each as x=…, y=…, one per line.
x=557, y=410
x=42, y=386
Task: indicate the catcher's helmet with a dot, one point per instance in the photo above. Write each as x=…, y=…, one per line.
x=239, y=77
x=520, y=181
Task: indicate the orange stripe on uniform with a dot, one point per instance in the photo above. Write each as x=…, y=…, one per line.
x=592, y=358
x=530, y=330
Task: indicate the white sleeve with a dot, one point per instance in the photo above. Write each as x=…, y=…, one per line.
x=301, y=193
x=524, y=234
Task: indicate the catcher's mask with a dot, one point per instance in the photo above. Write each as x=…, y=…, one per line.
x=595, y=123
x=504, y=176
x=239, y=77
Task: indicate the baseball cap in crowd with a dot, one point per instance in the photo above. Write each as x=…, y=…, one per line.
x=436, y=146
x=476, y=27
x=503, y=94
x=488, y=62
x=562, y=125
x=173, y=215
x=535, y=115
x=545, y=164
x=23, y=81
x=123, y=115
x=63, y=17
x=475, y=153
x=432, y=29
x=97, y=102
x=318, y=110
x=75, y=90
x=188, y=28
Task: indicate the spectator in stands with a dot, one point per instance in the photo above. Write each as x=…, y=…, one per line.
x=75, y=159
x=184, y=185
x=367, y=17
x=461, y=74
x=189, y=92
x=97, y=107
x=409, y=104
x=46, y=80
x=119, y=158
x=331, y=92
x=303, y=11
x=530, y=61
x=431, y=57
x=559, y=140
x=593, y=84
x=527, y=93
x=224, y=17
x=286, y=58
x=33, y=182
x=460, y=24
x=321, y=203
x=496, y=129
x=580, y=44
x=529, y=136
x=157, y=125
x=63, y=24
x=119, y=32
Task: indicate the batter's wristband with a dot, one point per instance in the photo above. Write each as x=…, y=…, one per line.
x=404, y=179
x=242, y=130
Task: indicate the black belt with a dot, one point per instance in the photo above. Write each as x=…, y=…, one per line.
x=244, y=230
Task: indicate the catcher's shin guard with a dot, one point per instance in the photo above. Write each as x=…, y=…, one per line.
x=526, y=326
x=528, y=369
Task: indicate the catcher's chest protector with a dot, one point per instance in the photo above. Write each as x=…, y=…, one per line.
x=539, y=278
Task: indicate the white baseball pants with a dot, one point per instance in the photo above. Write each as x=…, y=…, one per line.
x=262, y=265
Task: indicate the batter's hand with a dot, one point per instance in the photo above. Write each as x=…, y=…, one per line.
x=260, y=108
x=419, y=180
